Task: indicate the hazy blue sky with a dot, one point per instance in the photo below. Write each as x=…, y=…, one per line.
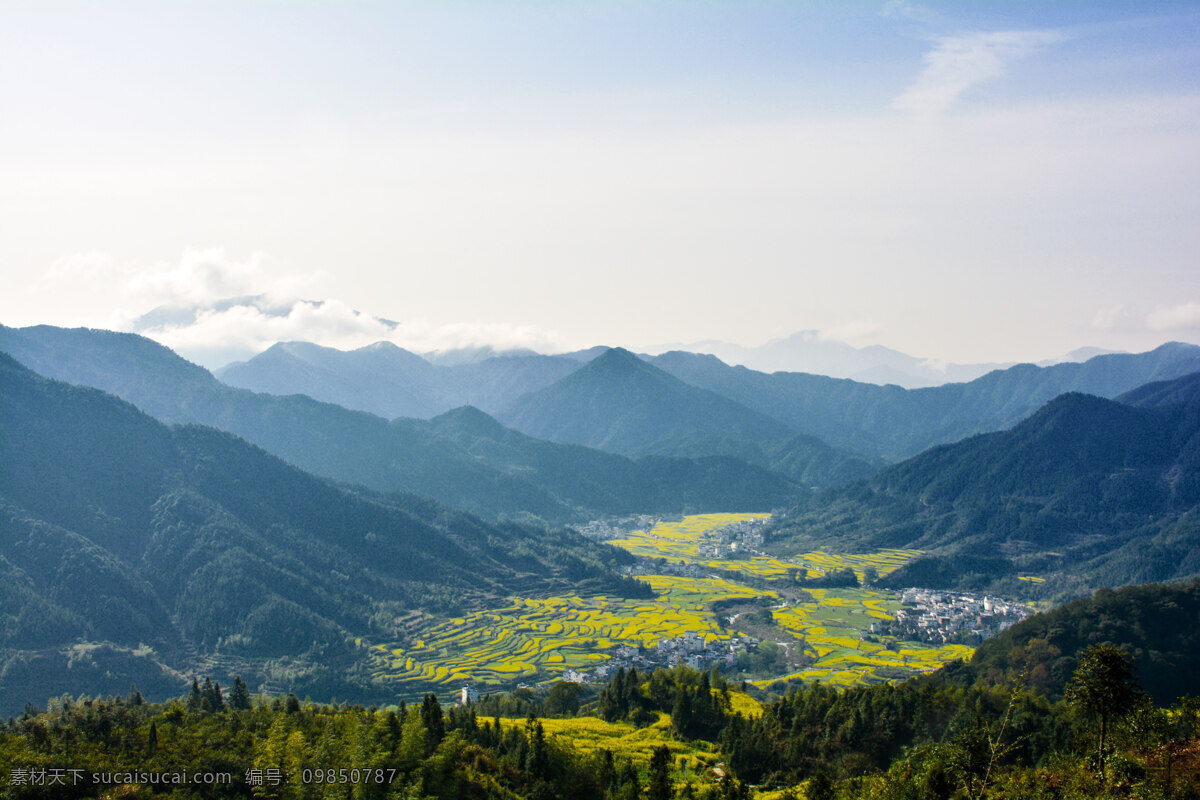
x=965, y=181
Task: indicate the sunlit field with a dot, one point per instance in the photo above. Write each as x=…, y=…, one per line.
x=533, y=637
x=833, y=628
x=680, y=542
x=536, y=639
x=626, y=741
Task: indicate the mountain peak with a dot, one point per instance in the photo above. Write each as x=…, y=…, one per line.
x=616, y=355
x=469, y=419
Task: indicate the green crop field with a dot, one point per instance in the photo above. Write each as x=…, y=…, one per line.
x=536, y=639
x=832, y=629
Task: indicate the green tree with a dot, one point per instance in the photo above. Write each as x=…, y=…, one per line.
x=564, y=698
x=660, y=774
x=431, y=716
x=820, y=787
x=1104, y=686
x=239, y=696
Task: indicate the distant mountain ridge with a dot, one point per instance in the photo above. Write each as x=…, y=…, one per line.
x=403, y=455
x=894, y=423
x=619, y=379
x=815, y=353
x=816, y=430
x=624, y=404
x=391, y=382
x=852, y=426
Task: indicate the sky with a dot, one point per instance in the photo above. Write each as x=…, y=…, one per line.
x=963, y=181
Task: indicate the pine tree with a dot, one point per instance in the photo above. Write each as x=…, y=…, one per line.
x=682, y=711
x=608, y=771
x=611, y=697
x=194, y=698
x=631, y=787
x=239, y=697
x=431, y=716
x=210, y=696
x=660, y=776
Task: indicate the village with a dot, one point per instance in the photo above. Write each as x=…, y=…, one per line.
x=930, y=617
x=604, y=529
x=940, y=617
x=736, y=539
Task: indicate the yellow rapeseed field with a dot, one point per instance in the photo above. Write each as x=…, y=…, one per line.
x=538, y=638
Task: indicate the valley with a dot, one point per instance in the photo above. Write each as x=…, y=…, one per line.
x=757, y=618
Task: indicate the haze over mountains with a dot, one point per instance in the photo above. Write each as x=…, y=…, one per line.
x=859, y=420
x=811, y=351
x=391, y=382
x=405, y=455
x=893, y=423
x=819, y=354
x=812, y=430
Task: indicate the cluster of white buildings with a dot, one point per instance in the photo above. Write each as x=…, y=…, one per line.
x=661, y=566
x=940, y=617
x=738, y=537
x=605, y=529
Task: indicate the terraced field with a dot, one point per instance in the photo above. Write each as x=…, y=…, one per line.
x=547, y=636
x=536, y=639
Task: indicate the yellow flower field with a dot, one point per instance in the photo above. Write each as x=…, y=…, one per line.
x=538, y=638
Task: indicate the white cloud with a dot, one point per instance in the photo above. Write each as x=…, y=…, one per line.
x=958, y=63
x=1185, y=316
x=904, y=10
x=1107, y=319
x=225, y=333
x=423, y=337
x=218, y=335
x=87, y=268
x=201, y=276
x=214, y=308
x=853, y=332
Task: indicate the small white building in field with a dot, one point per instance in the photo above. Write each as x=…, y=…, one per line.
x=469, y=695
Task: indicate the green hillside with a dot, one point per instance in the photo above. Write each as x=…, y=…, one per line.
x=159, y=548
x=1087, y=492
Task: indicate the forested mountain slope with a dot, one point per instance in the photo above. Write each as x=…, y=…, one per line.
x=170, y=544
x=1086, y=492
